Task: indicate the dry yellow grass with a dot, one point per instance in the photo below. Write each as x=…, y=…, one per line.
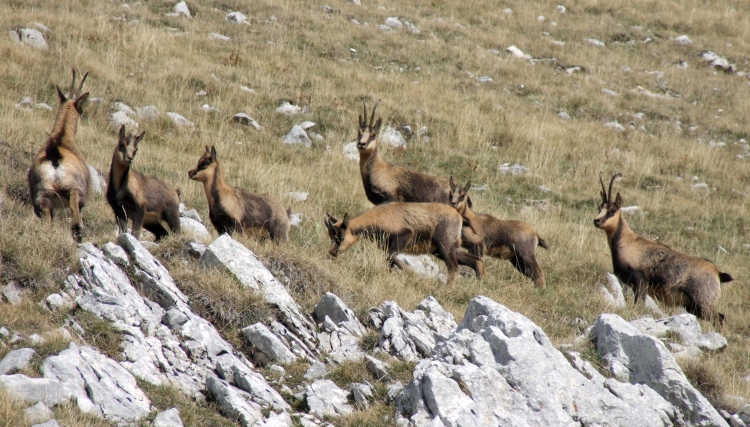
x=297, y=51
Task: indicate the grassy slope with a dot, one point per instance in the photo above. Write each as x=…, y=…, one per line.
x=295, y=51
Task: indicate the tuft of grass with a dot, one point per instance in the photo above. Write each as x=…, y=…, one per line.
x=100, y=333
x=192, y=413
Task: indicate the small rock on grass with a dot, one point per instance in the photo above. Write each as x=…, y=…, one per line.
x=38, y=413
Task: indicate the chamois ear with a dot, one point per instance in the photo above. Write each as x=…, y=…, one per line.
x=122, y=133
x=467, y=187
x=213, y=154
x=618, y=201
x=207, y=150
x=378, y=124
x=61, y=95
x=452, y=184
x=79, y=102
x=138, y=138
x=468, y=201
x=361, y=121
x=345, y=221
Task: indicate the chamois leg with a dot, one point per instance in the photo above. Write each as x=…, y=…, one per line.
x=448, y=254
x=75, y=208
x=172, y=218
x=157, y=229
x=122, y=220
x=528, y=266
x=138, y=216
x=472, y=261
x=705, y=313
x=397, y=243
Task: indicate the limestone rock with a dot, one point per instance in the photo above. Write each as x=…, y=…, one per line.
x=246, y=120
x=32, y=390
x=642, y=359
x=350, y=151
x=149, y=113
x=361, y=393
x=611, y=290
x=16, y=360
x=393, y=137
x=422, y=265
x=168, y=418
x=180, y=121
x=513, y=169
x=121, y=118
x=334, y=308
x=378, y=368
x=226, y=253
x=99, y=384
x=198, y=230
x=96, y=182
x=316, y=370
x=268, y=344
x=38, y=413
x=234, y=404
x=11, y=293
x=297, y=136
x=50, y=423
x=182, y=8
x=30, y=37
x=236, y=17
x=325, y=398
x=288, y=109
x=116, y=254
x=687, y=327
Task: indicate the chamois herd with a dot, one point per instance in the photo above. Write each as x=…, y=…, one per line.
x=414, y=213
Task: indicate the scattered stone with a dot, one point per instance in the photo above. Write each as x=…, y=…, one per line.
x=246, y=120
x=168, y=418
x=484, y=79
x=121, y=118
x=32, y=390
x=11, y=293
x=516, y=52
x=295, y=219
x=687, y=327
x=611, y=290
x=615, y=126
x=643, y=91
x=326, y=399
x=38, y=413
x=50, y=423
x=220, y=37
x=196, y=228
x=700, y=186
x=642, y=359
x=651, y=305
x=317, y=370
x=182, y=8
x=148, y=113
x=116, y=254
x=247, y=89
x=180, y=121
x=4, y=332
x=744, y=413
x=361, y=393
x=717, y=62
x=236, y=17
x=422, y=265
x=206, y=108
x=610, y=93
x=299, y=196
x=268, y=344
x=560, y=8
x=350, y=151
x=16, y=360
x=393, y=22
x=56, y=302
x=683, y=40
x=288, y=109
x=30, y=37
x=233, y=403
x=513, y=169
x=393, y=137
x=36, y=339
x=334, y=308
x=563, y=115
x=595, y=42
x=297, y=136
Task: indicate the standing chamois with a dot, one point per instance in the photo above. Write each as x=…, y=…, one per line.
x=59, y=176
x=234, y=209
x=483, y=235
x=143, y=199
x=412, y=227
x=385, y=182
x=651, y=267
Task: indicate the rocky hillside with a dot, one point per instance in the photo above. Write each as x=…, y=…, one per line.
x=494, y=368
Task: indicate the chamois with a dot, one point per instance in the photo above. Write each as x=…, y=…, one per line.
x=482, y=234
x=234, y=209
x=385, y=182
x=59, y=176
x=413, y=227
x=145, y=200
x=651, y=267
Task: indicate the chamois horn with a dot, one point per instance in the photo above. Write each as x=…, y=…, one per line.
x=372, y=117
x=604, y=189
x=609, y=198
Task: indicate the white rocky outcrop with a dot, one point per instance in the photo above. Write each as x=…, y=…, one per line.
x=393, y=137
x=325, y=398
x=180, y=121
x=30, y=37
x=271, y=347
x=16, y=360
x=499, y=368
x=340, y=330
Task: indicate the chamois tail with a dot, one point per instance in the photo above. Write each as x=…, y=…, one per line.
x=544, y=244
x=725, y=277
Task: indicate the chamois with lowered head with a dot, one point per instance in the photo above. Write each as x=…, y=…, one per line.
x=59, y=176
x=482, y=234
x=385, y=182
x=411, y=227
x=234, y=209
x=653, y=268
x=143, y=199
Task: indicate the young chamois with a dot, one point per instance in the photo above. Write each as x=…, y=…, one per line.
x=483, y=235
x=59, y=176
x=651, y=267
x=385, y=182
x=143, y=199
x=413, y=227
x=234, y=209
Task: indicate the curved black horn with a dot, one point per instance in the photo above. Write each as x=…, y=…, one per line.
x=609, y=197
x=604, y=189
x=73, y=84
x=364, y=104
x=80, y=86
x=372, y=118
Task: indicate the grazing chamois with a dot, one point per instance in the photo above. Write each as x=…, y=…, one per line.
x=651, y=267
x=234, y=209
x=59, y=176
x=145, y=200
x=385, y=182
x=412, y=227
x=482, y=234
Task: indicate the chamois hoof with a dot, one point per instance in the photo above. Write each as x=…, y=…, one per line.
x=77, y=233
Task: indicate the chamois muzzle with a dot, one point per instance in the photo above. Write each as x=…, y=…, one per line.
x=598, y=222
x=191, y=173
